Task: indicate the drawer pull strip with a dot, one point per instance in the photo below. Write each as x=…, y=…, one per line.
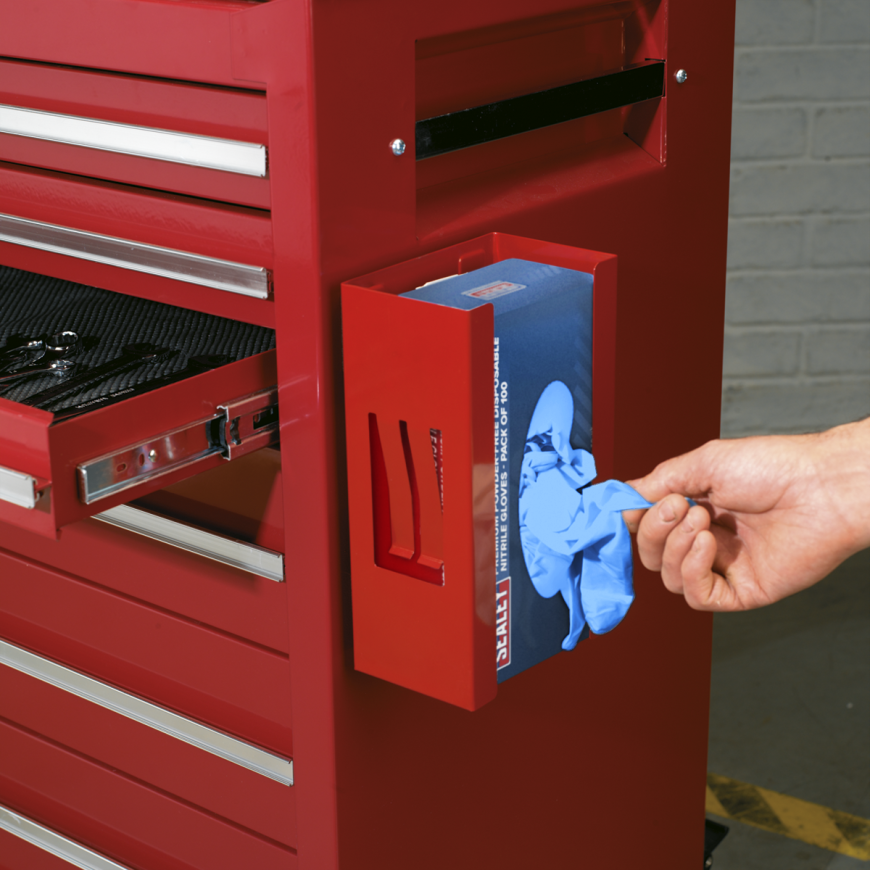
x=43, y=838
x=237, y=554
x=18, y=489
x=216, y=742
x=190, y=149
x=137, y=256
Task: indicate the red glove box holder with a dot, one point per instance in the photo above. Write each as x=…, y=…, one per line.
x=423, y=561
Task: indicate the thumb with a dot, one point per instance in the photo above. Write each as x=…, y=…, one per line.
x=689, y=474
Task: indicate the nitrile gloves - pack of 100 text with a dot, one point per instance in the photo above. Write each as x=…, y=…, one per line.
x=563, y=552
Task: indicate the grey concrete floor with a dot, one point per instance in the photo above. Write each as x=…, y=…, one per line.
x=790, y=711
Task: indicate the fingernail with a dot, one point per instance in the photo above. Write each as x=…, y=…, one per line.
x=666, y=512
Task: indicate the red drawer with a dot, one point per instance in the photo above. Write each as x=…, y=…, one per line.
x=205, y=255
x=24, y=845
x=48, y=458
x=421, y=366
x=154, y=750
x=121, y=817
x=202, y=140
x=178, y=663
x=241, y=499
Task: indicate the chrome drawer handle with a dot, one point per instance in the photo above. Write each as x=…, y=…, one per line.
x=18, y=489
x=44, y=838
x=208, y=739
x=208, y=152
x=137, y=256
x=237, y=554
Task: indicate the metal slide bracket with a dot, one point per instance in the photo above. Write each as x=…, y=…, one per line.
x=240, y=427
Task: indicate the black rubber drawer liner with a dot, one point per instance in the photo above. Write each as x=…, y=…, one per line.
x=33, y=305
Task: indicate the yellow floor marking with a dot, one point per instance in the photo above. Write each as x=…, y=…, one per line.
x=791, y=817
x=713, y=805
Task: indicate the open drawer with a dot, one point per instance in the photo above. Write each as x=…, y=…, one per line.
x=207, y=394
x=419, y=381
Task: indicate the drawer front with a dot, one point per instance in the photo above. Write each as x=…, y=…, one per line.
x=119, y=817
x=209, y=256
x=26, y=845
x=178, y=663
x=200, y=140
x=241, y=500
x=180, y=757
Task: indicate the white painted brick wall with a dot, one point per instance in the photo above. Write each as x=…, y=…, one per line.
x=797, y=334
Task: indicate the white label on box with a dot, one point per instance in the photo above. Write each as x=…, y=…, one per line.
x=493, y=290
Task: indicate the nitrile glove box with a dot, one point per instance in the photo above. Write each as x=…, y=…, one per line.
x=543, y=333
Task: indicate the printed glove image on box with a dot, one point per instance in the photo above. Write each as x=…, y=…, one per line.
x=574, y=542
x=563, y=552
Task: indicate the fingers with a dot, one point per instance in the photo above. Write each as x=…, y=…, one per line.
x=655, y=527
x=678, y=545
x=702, y=587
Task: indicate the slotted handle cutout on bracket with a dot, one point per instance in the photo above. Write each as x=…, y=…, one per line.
x=407, y=499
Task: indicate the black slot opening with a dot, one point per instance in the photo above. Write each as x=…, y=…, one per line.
x=632, y=84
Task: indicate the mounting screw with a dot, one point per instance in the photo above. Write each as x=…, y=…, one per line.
x=397, y=146
x=152, y=455
x=681, y=75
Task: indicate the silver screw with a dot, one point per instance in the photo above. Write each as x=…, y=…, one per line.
x=397, y=146
x=681, y=75
x=152, y=455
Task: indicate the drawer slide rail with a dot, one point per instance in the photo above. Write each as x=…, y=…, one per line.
x=240, y=427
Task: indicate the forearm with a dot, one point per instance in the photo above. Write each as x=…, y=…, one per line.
x=842, y=459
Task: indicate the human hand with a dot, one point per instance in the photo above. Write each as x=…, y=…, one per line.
x=774, y=515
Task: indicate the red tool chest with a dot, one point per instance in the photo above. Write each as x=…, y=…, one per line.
x=201, y=665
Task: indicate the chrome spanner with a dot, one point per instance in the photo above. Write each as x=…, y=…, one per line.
x=21, y=355
x=55, y=356
x=16, y=351
x=132, y=357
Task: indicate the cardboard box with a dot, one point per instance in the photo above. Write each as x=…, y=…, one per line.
x=543, y=334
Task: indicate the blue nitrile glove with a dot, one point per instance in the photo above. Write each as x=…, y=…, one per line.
x=574, y=542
